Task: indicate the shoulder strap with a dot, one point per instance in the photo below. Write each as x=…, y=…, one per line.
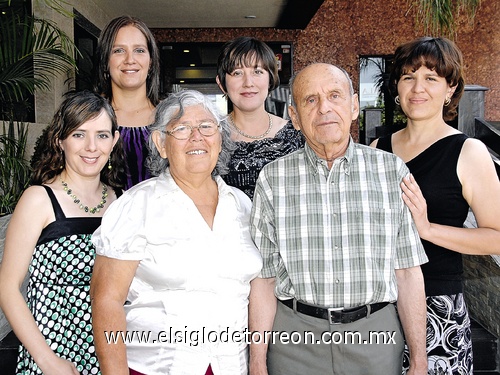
x=55, y=204
x=384, y=143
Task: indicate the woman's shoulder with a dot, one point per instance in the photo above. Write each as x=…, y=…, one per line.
x=35, y=206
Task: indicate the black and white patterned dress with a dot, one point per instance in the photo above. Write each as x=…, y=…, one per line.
x=58, y=291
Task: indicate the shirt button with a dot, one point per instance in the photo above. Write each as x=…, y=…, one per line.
x=337, y=281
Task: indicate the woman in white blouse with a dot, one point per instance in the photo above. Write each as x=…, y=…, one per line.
x=175, y=258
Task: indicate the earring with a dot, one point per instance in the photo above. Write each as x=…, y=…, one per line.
x=447, y=102
x=396, y=99
x=62, y=158
x=110, y=167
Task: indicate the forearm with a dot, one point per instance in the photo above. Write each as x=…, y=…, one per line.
x=412, y=312
x=473, y=241
x=262, y=310
x=24, y=326
x=109, y=316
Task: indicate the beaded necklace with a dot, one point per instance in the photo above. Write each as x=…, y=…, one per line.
x=83, y=207
x=248, y=135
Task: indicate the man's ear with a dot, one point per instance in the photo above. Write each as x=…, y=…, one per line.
x=292, y=112
x=355, y=107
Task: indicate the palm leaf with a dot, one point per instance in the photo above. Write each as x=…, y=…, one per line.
x=32, y=51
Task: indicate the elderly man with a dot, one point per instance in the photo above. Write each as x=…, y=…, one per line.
x=339, y=247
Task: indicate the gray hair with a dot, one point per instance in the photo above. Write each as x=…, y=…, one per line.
x=292, y=80
x=171, y=109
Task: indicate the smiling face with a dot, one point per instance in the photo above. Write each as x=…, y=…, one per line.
x=87, y=148
x=247, y=86
x=195, y=156
x=324, y=107
x=129, y=60
x=422, y=94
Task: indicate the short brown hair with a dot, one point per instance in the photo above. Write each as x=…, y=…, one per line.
x=243, y=51
x=438, y=54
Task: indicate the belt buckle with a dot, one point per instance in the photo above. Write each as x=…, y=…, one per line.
x=331, y=315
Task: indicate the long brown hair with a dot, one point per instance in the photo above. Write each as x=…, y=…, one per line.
x=76, y=109
x=102, y=83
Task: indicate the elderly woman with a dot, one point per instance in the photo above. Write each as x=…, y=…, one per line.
x=175, y=258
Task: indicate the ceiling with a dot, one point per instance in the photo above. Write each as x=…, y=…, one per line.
x=282, y=14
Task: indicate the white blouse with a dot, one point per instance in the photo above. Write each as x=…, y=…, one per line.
x=190, y=291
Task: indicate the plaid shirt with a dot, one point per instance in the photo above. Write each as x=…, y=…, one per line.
x=335, y=237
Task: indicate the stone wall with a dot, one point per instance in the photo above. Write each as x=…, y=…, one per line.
x=482, y=291
x=482, y=286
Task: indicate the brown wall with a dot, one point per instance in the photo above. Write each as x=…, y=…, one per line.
x=342, y=30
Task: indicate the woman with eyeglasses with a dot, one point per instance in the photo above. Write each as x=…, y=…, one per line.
x=175, y=258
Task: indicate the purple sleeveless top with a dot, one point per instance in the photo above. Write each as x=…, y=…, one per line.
x=135, y=144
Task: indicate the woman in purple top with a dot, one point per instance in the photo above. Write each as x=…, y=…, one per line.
x=128, y=76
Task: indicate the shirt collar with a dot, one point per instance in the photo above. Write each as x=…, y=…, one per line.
x=166, y=185
x=314, y=161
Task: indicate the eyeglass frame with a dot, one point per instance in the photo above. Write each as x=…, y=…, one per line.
x=171, y=132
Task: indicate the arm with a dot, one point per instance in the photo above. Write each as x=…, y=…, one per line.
x=412, y=312
x=480, y=188
x=262, y=309
x=33, y=212
x=109, y=287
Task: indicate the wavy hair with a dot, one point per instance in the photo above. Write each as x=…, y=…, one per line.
x=172, y=109
x=438, y=54
x=76, y=109
x=102, y=83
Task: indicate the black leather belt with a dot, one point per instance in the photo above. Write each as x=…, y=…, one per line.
x=334, y=315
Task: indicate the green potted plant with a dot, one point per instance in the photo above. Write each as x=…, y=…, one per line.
x=32, y=52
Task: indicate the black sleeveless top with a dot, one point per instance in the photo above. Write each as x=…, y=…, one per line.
x=64, y=226
x=435, y=170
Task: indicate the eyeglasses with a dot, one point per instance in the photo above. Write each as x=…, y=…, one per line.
x=184, y=131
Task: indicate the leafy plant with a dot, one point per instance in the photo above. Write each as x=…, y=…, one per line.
x=438, y=16
x=32, y=52
x=14, y=169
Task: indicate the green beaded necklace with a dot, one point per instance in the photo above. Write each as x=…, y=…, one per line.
x=83, y=207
